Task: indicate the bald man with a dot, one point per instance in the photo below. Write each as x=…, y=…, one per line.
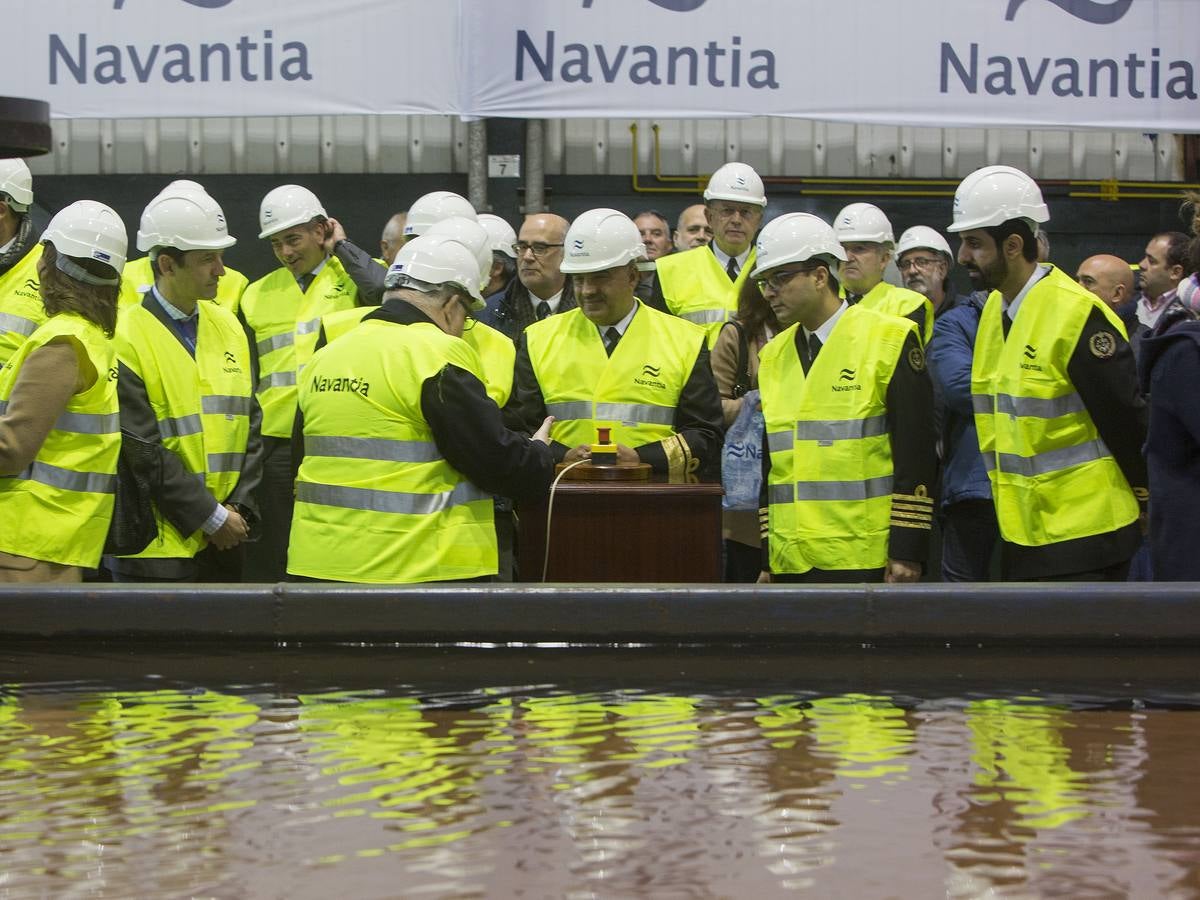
x=540, y=289
x=1108, y=277
x=392, y=238
x=692, y=229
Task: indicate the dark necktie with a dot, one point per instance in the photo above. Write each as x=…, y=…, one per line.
x=732, y=269
x=1005, y=322
x=852, y=298
x=305, y=280
x=814, y=347
x=610, y=339
x=543, y=310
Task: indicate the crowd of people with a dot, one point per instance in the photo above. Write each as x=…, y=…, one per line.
x=374, y=419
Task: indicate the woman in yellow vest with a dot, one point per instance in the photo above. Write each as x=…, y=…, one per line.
x=60, y=430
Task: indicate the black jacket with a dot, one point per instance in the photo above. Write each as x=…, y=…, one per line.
x=512, y=311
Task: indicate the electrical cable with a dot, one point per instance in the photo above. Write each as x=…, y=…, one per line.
x=550, y=512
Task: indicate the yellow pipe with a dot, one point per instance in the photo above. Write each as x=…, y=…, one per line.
x=658, y=163
x=656, y=190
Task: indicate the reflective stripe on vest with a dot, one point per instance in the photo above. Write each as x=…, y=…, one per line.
x=1052, y=477
x=371, y=448
x=68, y=480
x=227, y=405
x=276, y=379
x=265, y=346
x=59, y=507
x=626, y=413
x=388, y=501
x=707, y=316
x=17, y=324
x=635, y=391
x=82, y=423
x=180, y=426
x=831, y=490
x=225, y=462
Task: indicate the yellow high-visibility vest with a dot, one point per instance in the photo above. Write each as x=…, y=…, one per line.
x=634, y=392
x=375, y=500
x=1053, y=478
x=898, y=301
x=59, y=508
x=21, y=309
x=830, y=484
x=286, y=323
x=696, y=288
x=202, y=405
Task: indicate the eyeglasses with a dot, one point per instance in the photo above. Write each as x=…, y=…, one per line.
x=727, y=211
x=777, y=280
x=538, y=248
x=920, y=262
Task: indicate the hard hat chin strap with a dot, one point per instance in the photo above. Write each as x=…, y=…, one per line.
x=72, y=269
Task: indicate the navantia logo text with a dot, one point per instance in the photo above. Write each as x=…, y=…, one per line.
x=1094, y=11
x=673, y=5
x=203, y=4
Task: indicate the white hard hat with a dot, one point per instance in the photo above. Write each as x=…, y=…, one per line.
x=89, y=230
x=863, y=222
x=181, y=186
x=286, y=207
x=438, y=259
x=185, y=220
x=502, y=234
x=435, y=206
x=796, y=237
x=17, y=182
x=474, y=237
x=601, y=239
x=922, y=236
x=737, y=182
x=994, y=195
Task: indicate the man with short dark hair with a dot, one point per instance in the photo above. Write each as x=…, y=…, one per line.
x=1054, y=387
x=1162, y=267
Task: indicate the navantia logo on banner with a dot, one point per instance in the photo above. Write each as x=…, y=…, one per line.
x=1136, y=73
x=567, y=54
x=76, y=59
x=1089, y=10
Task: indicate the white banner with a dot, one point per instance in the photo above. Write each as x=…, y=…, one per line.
x=1109, y=64
x=151, y=58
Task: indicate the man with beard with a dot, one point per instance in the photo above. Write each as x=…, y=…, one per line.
x=1054, y=388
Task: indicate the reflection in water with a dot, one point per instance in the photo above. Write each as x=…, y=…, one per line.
x=617, y=793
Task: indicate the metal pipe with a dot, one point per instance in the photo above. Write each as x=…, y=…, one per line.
x=932, y=616
x=477, y=168
x=535, y=167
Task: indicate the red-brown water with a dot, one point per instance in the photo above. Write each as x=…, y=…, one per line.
x=157, y=786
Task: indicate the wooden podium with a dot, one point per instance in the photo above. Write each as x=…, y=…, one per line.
x=624, y=531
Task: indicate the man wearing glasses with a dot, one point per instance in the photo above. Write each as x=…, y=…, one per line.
x=849, y=422
x=618, y=363
x=540, y=290
x=702, y=284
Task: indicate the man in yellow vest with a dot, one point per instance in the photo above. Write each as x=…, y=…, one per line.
x=849, y=422
x=138, y=276
x=866, y=235
x=403, y=448
x=282, y=311
x=702, y=284
x=1054, y=387
x=186, y=388
x=21, y=309
x=617, y=362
